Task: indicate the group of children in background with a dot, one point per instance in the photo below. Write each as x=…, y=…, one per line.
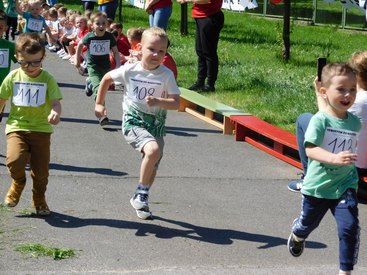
x=35, y=96
x=150, y=90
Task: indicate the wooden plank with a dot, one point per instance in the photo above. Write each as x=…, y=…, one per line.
x=266, y=129
x=273, y=153
x=201, y=116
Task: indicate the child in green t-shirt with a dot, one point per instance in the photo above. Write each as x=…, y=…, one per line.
x=99, y=43
x=331, y=180
x=35, y=107
x=7, y=51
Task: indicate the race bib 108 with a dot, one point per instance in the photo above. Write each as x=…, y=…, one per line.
x=29, y=94
x=338, y=140
x=140, y=89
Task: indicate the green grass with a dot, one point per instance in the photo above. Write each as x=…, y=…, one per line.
x=252, y=74
x=37, y=250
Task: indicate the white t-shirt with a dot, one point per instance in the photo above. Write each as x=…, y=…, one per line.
x=359, y=108
x=140, y=83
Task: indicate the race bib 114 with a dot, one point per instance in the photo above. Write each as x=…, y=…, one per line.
x=338, y=140
x=29, y=94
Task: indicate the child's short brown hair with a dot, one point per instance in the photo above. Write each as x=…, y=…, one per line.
x=29, y=43
x=335, y=69
x=135, y=34
x=97, y=14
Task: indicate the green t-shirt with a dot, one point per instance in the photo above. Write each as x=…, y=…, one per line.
x=7, y=54
x=334, y=135
x=30, y=101
x=99, y=47
x=10, y=9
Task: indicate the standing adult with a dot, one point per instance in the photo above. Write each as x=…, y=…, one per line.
x=159, y=12
x=109, y=7
x=209, y=20
x=88, y=4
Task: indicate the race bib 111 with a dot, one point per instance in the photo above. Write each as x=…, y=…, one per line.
x=29, y=94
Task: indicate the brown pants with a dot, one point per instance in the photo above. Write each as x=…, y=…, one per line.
x=35, y=148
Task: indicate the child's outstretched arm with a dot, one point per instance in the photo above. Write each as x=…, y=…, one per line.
x=78, y=53
x=116, y=55
x=54, y=116
x=100, y=109
x=170, y=103
x=321, y=155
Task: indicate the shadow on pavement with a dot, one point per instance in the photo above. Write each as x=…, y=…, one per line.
x=70, y=85
x=101, y=171
x=190, y=231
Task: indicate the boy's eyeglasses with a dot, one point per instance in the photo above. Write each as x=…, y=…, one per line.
x=26, y=64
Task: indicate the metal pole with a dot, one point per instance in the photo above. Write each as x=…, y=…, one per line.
x=184, y=19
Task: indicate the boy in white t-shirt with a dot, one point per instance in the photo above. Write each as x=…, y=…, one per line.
x=151, y=90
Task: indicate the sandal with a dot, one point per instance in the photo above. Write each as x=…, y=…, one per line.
x=103, y=120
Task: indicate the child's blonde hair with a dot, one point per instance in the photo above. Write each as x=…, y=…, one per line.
x=154, y=31
x=358, y=62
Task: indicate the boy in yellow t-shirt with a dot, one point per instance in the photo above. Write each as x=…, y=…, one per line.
x=35, y=107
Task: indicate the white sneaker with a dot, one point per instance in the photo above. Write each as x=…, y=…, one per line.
x=62, y=54
x=66, y=57
x=140, y=203
x=60, y=51
x=52, y=47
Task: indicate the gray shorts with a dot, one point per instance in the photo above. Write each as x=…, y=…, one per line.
x=137, y=137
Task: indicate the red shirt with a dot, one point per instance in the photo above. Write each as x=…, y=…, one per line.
x=162, y=4
x=123, y=45
x=206, y=10
x=170, y=64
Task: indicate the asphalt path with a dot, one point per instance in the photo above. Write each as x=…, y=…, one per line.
x=219, y=206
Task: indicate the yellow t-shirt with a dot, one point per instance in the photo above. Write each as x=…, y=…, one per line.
x=30, y=101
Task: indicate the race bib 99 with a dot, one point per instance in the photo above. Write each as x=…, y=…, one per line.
x=338, y=140
x=29, y=94
x=35, y=25
x=4, y=58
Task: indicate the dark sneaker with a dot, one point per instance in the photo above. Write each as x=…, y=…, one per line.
x=295, y=185
x=196, y=87
x=140, y=203
x=295, y=245
x=208, y=88
x=88, y=88
x=103, y=121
